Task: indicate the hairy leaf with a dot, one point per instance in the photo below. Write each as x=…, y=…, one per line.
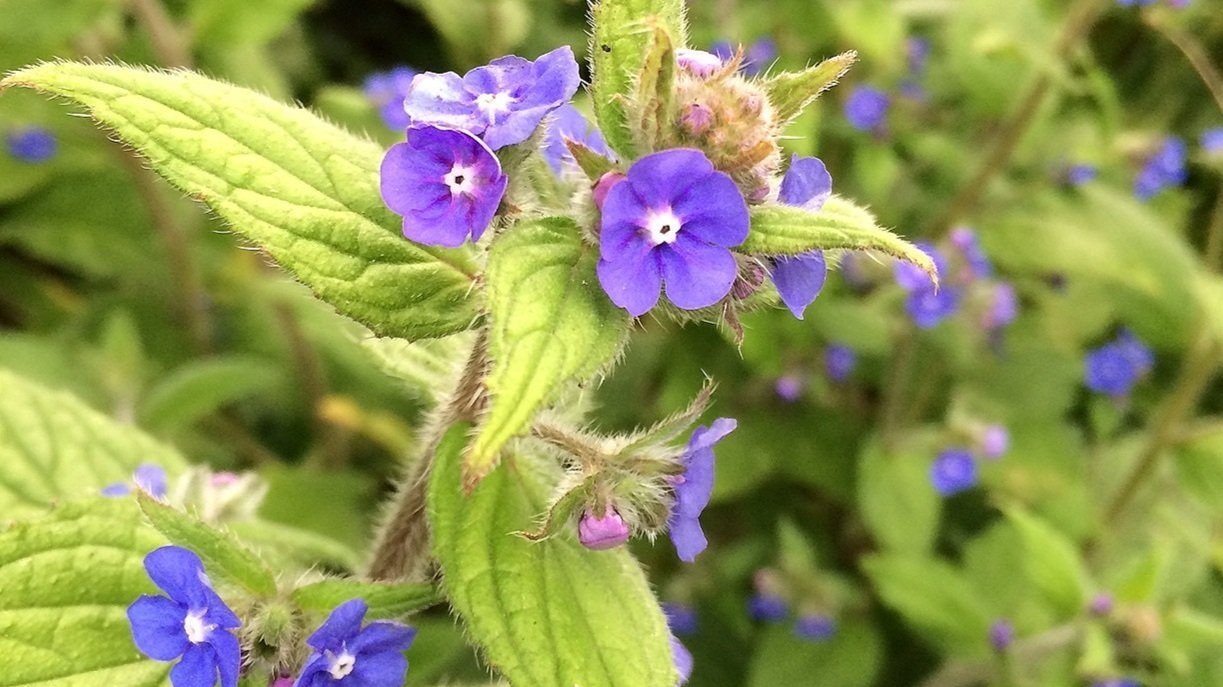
x=304, y=190
x=550, y=613
x=791, y=92
x=550, y=323
x=53, y=446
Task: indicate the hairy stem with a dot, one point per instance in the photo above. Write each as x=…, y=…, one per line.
x=401, y=551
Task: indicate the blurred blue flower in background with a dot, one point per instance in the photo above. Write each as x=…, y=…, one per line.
x=1212, y=140
x=694, y=487
x=1116, y=366
x=765, y=607
x=789, y=388
x=839, y=362
x=681, y=618
x=953, y=471
x=995, y=441
x=149, y=478
x=568, y=122
x=866, y=108
x=1001, y=634
x=1080, y=173
x=32, y=144
x=387, y=91
x=1164, y=169
x=969, y=246
x=815, y=627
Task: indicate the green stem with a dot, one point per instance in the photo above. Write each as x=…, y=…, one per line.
x=1081, y=17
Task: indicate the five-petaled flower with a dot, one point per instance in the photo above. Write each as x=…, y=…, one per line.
x=672, y=221
x=349, y=655
x=694, y=487
x=953, y=471
x=446, y=183
x=799, y=279
x=193, y=622
x=503, y=102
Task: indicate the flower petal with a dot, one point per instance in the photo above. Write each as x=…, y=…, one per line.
x=799, y=280
x=197, y=669
x=633, y=281
x=713, y=210
x=379, y=669
x=696, y=274
x=218, y=613
x=660, y=178
x=806, y=184
x=687, y=537
x=179, y=573
x=228, y=656
x=152, y=479
x=442, y=99
x=314, y=674
x=157, y=627
x=341, y=626
x=381, y=636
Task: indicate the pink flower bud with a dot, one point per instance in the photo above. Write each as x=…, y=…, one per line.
x=604, y=185
x=696, y=118
x=698, y=63
x=604, y=532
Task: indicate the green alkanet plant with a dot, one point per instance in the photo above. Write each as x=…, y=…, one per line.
x=455, y=229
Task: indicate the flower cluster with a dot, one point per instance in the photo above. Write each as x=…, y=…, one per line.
x=1115, y=367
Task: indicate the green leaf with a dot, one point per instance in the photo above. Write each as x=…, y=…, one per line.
x=550, y=323
x=200, y=388
x=791, y=92
x=654, y=96
x=304, y=190
x=786, y=230
x=385, y=600
x=221, y=24
x=931, y=595
x=550, y=613
x=52, y=446
x=850, y=658
x=622, y=37
x=224, y=557
x=66, y=581
x=288, y=544
x=429, y=367
x=477, y=32
x=1199, y=464
x=1053, y=563
x=898, y=505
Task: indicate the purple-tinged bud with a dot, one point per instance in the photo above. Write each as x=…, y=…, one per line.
x=1101, y=604
x=789, y=388
x=281, y=681
x=995, y=441
x=681, y=618
x=606, y=532
x=816, y=627
x=753, y=103
x=749, y=279
x=223, y=478
x=696, y=118
x=698, y=63
x=1001, y=634
x=767, y=608
x=604, y=185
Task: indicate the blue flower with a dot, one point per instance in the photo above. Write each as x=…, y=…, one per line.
x=1115, y=367
x=1117, y=682
x=387, y=91
x=815, y=627
x=694, y=487
x=193, y=622
x=672, y=221
x=799, y=279
x=926, y=304
x=681, y=618
x=866, y=108
x=765, y=607
x=1132, y=3
x=839, y=362
x=789, y=388
x=1080, y=173
x=723, y=49
x=502, y=102
x=969, y=246
x=1212, y=140
x=568, y=123
x=148, y=477
x=446, y=184
x=917, y=53
x=347, y=654
x=32, y=144
x=682, y=659
x=1001, y=634
x=1003, y=307
x=759, y=56
x=953, y=471
x=1164, y=169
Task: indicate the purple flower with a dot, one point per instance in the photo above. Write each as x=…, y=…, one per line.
x=1212, y=140
x=839, y=362
x=1081, y=173
x=387, y=91
x=953, y=471
x=32, y=144
x=789, y=388
x=502, y=102
x=1135, y=351
x=698, y=63
x=928, y=307
x=815, y=628
x=1132, y=3
x=672, y=221
x=347, y=654
x=1163, y=169
x=446, y=184
x=1001, y=634
x=682, y=659
x=912, y=278
x=917, y=52
x=191, y=621
x=568, y=123
x=602, y=532
x=149, y=478
x=1114, y=367
x=759, y=56
x=722, y=49
x=1101, y=604
x=767, y=608
x=866, y=108
x=799, y=279
x=975, y=260
x=995, y=441
x=694, y=487
x=1003, y=307
x=681, y=618
x=1117, y=682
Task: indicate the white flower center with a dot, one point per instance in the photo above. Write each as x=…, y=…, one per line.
x=461, y=179
x=195, y=627
x=492, y=104
x=663, y=226
x=342, y=665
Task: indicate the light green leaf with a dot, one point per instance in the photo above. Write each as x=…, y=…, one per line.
x=898, y=505
x=66, y=581
x=304, y=190
x=429, y=367
x=385, y=600
x=550, y=613
x=200, y=388
x=220, y=24
x=1199, y=464
x=477, y=32
x=550, y=323
x=787, y=230
x=288, y=544
x=224, y=557
x=1053, y=563
x=931, y=595
x=850, y=658
x=53, y=446
x=791, y=92
x=622, y=36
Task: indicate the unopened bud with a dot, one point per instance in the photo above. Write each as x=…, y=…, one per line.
x=696, y=118
x=602, y=532
x=604, y=185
